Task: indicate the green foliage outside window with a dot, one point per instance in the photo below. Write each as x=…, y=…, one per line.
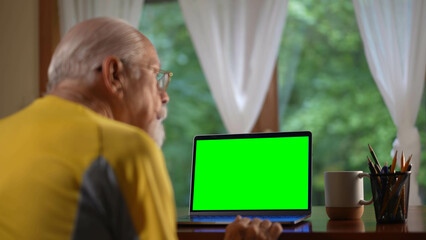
x=191, y=110
x=325, y=86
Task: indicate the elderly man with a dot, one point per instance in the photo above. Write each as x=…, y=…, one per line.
x=84, y=161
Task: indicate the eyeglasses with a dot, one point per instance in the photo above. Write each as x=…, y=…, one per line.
x=163, y=79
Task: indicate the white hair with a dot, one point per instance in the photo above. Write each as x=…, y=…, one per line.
x=84, y=47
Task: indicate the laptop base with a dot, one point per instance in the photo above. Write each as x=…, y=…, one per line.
x=225, y=220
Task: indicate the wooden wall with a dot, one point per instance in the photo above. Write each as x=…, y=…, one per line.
x=19, y=55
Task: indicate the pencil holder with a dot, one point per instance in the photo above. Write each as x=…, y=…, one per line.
x=390, y=194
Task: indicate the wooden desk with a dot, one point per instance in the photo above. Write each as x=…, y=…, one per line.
x=318, y=226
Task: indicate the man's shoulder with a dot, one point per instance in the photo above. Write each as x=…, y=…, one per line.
x=122, y=140
x=112, y=130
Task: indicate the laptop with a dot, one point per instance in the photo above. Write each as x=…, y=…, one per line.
x=263, y=175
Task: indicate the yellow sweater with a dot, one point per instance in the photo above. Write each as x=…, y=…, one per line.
x=67, y=172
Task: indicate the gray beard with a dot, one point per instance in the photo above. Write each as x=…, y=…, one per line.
x=156, y=128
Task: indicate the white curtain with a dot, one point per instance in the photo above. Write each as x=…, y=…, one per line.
x=394, y=37
x=237, y=43
x=72, y=12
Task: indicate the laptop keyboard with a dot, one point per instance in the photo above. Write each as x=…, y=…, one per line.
x=272, y=218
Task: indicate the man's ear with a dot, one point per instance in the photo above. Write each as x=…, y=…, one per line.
x=113, y=75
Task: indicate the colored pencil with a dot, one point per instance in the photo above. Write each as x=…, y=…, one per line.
x=394, y=162
x=373, y=154
x=407, y=164
x=402, y=160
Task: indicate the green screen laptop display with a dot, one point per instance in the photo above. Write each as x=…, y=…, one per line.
x=251, y=172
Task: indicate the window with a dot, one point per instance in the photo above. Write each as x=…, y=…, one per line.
x=325, y=86
x=192, y=110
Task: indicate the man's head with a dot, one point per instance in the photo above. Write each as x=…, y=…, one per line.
x=108, y=65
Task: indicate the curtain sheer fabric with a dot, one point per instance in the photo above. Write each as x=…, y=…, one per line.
x=394, y=37
x=72, y=12
x=237, y=43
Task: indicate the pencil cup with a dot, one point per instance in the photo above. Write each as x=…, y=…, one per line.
x=390, y=194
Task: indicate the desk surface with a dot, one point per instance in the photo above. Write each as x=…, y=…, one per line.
x=318, y=226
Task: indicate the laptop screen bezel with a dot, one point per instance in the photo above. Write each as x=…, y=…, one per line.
x=252, y=212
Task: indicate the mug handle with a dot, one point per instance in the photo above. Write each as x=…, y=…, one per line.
x=363, y=202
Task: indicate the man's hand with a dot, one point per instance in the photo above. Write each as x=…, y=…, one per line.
x=244, y=229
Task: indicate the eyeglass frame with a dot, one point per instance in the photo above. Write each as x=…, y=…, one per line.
x=162, y=81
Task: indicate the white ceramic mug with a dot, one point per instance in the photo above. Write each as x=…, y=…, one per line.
x=344, y=194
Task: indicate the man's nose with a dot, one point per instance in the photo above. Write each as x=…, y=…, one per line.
x=164, y=97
